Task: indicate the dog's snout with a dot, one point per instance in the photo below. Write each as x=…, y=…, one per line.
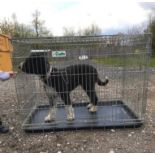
x=20, y=65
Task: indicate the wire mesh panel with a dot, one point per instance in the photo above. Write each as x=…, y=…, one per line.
x=100, y=81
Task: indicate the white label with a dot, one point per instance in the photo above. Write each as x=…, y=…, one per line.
x=58, y=54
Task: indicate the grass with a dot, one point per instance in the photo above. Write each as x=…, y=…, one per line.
x=117, y=61
x=152, y=62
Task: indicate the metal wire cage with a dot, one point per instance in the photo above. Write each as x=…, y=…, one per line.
x=124, y=59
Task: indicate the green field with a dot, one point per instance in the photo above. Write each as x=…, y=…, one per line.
x=121, y=61
x=152, y=62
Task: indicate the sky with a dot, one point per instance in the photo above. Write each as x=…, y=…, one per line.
x=109, y=15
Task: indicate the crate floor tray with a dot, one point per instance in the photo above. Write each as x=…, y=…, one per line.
x=110, y=114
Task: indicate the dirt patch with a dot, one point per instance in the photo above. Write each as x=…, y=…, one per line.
x=115, y=140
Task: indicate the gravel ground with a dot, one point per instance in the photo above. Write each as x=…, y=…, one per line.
x=114, y=140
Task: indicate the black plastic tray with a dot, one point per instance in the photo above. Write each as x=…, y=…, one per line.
x=110, y=114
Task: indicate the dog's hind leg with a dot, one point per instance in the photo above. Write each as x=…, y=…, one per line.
x=93, y=105
x=93, y=98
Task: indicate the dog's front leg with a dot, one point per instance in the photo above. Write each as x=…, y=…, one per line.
x=70, y=113
x=69, y=108
x=52, y=111
x=51, y=115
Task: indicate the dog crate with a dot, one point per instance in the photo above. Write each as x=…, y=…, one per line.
x=124, y=59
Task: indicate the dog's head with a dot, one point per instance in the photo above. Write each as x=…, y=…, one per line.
x=35, y=64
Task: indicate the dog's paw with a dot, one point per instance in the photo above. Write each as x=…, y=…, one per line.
x=89, y=105
x=106, y=78
x=49, y=118
x=70, y=117
x=70, y=113
x=93, y=109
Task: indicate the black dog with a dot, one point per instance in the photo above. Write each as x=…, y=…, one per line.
x=64, y=81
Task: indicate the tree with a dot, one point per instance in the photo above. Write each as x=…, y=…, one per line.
x=92, y=30
x=14, y=28
x=38, y=25
x=68, y=31
x=6, y=27
x=151, y=29
x=16, y=25
x=137, y=29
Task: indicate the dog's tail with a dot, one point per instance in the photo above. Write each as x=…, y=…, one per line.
x=103, y=83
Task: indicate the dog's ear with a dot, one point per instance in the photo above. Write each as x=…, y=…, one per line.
x=36, y=64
